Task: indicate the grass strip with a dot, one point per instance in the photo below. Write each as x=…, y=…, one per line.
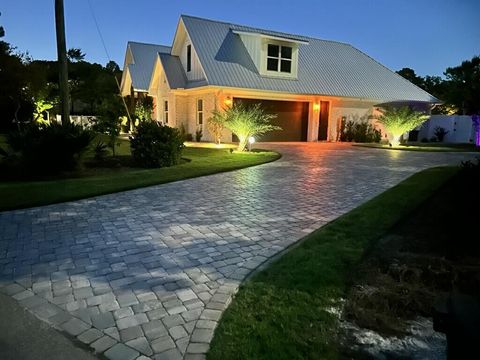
x=281, y=312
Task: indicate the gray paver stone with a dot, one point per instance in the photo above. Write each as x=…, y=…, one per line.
x=46, y=311
x=172, y=354
x=197, y=348
x=131, y=333
x=23, y=295
x=177, y=332
x=154, y=329
x=75, y=326
x=142, y=345
x=121, y=352
x=103, y=320
x=130, y=321
x=202, y=336
x=12, y=289
x=206, y=324
x=113, y=332
x=60, y=318
x=162, y=344
x=211, y=315
x=102, y=344
x=90, y=336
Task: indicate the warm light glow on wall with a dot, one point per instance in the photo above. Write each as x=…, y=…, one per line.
x=228, y=101
x=316, y=106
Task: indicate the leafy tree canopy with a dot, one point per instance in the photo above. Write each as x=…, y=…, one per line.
x=464, y=85
x=410, y=75
x=460, y=90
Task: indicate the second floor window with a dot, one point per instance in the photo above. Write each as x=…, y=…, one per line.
x=189, y=58
x=200, y=112
x=279, y=58
x=165, y=111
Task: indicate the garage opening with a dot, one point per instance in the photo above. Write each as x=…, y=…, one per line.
x=292, y=117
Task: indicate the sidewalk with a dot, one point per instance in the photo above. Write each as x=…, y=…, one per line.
x=24, y=337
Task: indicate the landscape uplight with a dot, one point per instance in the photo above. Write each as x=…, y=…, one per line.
x=251, y=140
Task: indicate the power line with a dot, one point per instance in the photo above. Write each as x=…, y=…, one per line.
x=108, y=57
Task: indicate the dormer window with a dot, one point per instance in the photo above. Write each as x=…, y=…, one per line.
x=273, y=56
x=189, y=58
x=279, y=58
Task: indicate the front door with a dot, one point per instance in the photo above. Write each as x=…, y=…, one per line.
x=323, y=120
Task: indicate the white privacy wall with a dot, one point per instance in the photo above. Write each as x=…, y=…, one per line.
x=460, y=128
x=353, y=111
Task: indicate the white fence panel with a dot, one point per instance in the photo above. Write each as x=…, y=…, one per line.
x=460, y=128
x=84, y=120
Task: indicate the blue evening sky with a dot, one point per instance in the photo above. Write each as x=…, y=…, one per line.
x=426, y=35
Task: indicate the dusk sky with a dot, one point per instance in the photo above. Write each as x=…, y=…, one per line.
x=426, y=35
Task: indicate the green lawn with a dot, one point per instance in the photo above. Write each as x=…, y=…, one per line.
x=201, y=161
x=427, y=147
x=280, y=313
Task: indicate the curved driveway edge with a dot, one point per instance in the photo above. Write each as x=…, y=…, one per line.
x=147, y=273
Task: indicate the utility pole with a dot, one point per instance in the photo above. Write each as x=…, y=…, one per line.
x=62, y=61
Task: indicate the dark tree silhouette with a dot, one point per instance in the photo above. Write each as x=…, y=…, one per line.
x=113, y=67
x=75, y=55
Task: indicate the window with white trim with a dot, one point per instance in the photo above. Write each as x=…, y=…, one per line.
x=199, y=111
x=279, y=58
x=165, y=111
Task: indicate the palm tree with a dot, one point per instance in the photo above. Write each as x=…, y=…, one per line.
x=245, y=122
x=398, y=121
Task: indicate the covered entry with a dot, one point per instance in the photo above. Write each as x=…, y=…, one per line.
x=292, y=117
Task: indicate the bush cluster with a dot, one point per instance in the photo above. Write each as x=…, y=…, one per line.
x=156, y=145
x=360, y=132
x=49, y=148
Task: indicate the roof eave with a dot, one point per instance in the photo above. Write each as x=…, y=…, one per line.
x=272, y=37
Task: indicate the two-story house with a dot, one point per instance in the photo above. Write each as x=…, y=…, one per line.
x=312, y=85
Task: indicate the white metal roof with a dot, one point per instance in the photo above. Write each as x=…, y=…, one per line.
x=144, y=56
x=324, y=67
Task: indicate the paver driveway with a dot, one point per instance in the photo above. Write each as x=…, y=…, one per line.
x=148, y=272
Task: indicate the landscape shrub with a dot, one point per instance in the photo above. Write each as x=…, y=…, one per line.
x=183, y=133
x=156, y=145
x=440, y=133
x=215, y=125
x=49, y=148
x=100, y=151
x=109, y=121
x=198, y=135
x=360, y=132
